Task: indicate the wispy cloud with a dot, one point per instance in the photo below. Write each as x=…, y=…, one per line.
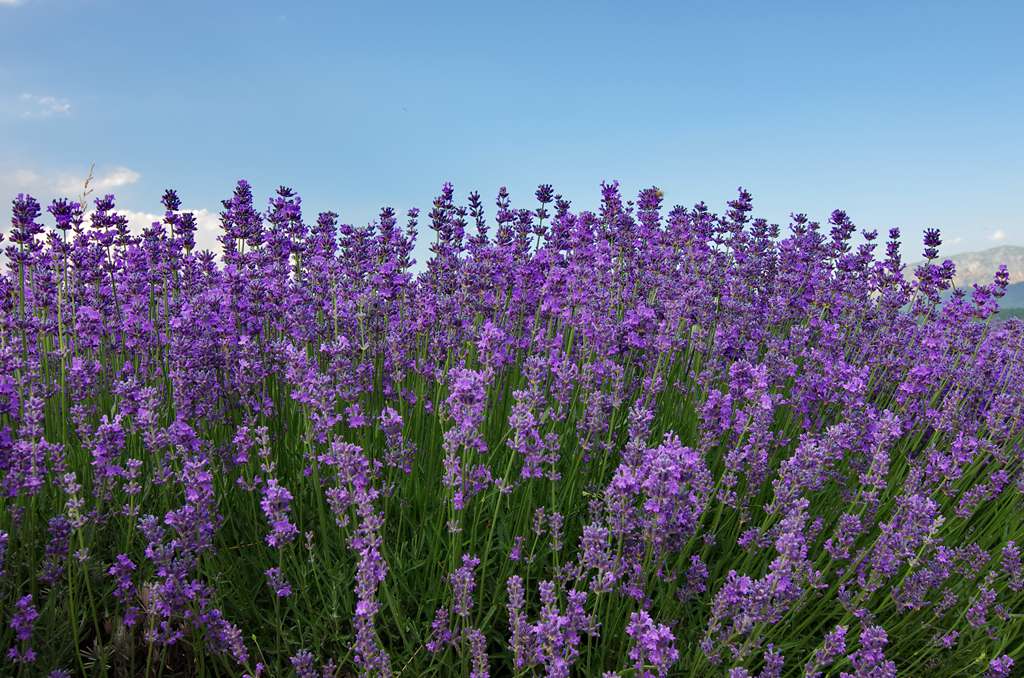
x=101, y=182
x=46, y=186
x=42, y=105
x=24, y=181
x=998, y=235
x=27, y=178
x=9, y=3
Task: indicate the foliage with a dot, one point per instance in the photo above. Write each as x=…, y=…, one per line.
x=620, y=442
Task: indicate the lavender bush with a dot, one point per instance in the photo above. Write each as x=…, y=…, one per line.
x=625, y=443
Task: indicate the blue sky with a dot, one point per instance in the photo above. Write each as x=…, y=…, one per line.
x=909, y=116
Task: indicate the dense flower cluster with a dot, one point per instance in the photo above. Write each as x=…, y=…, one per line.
x=623, y=442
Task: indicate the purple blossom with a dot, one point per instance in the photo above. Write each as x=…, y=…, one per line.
x=833, y=647
x=748, y=433
x=463, y=582
x=653, y=646
x=275, y=503
x=280, y=586
x=22, y=623
x=870, y=659
x=1012, y=566
x=521, y=641
x=1000, y=667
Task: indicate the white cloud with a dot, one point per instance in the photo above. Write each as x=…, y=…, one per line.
x=24, y=181
x=119, y=176
x=997, y=235
x=9, y=3
x=137, y=220
x=207, y=225
x=102, y=182
x=27, y=178
x=43, y=106
x=45, y=186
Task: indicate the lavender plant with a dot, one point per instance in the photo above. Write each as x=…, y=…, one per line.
x=630, y=442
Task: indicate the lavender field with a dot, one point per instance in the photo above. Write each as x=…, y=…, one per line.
x=638, y=441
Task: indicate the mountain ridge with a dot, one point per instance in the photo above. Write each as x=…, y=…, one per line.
x=980, y=267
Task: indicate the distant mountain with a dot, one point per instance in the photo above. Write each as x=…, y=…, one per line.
x=1007, y=313
x=1014, y=296
x=980, y=267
